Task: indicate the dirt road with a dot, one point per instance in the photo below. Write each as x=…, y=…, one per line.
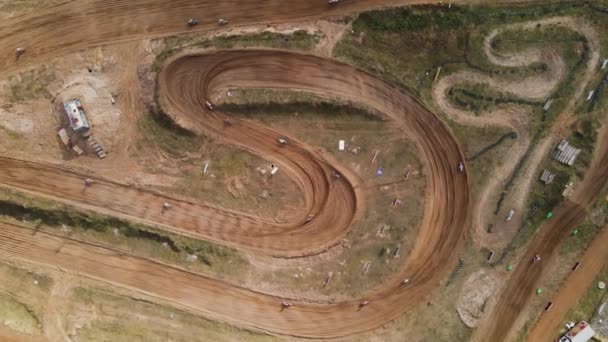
x=520, y=287
x=574, y=287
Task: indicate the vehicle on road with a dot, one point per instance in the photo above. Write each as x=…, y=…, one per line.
x=335, y=174
x=461, y=167
x=510, y=215
x=333, y=2
x=282, y=141
x=19, y=51
x=222, y=21
x=192, y=22
x=228, y=122
x=536, y=259
x=310, y=217
x=363, y=303
x=285, y=305
x=209, y=105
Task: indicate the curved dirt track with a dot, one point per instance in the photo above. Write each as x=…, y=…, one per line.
x=184, y=85
x=77, y=25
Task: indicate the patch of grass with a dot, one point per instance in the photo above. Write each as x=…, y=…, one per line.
x=12, y=6
x=321, y=122
x=159, y=131
x=18, y=316
x=231, y=181
x=134, y=238
x=31, y=84
x=298, y=40
x=477, y=98
x=266, y=104
x=596, y=221
x=160, y=323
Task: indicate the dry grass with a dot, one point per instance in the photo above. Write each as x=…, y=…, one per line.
x=321, y=124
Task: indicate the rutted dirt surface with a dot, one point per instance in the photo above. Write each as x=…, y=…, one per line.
x=185, y=83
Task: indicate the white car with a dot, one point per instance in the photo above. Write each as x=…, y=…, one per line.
x=222, y=21
x=282, y=141
x=461, y=167
x=509, y=215
x=333, y=2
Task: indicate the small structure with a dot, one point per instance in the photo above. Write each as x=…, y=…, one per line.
x=509, y=215
x=581, y=332
x=547, y=105
x=566, y=153
x=78, y=121
x=547, y=177
x=341, y=145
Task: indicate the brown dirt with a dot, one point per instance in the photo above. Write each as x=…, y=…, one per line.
x=74, y=26
x=499, y=325
x=441, y=232
x=574, y=287
x=538, y=87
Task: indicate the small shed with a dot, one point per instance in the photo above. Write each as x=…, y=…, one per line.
x=566, y=153
x=547, y=177
x=76, y=117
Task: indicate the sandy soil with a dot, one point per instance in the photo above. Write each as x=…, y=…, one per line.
x=474, y=294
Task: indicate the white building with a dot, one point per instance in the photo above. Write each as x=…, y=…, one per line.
x=581, y=332
x=566, y=153
x=78, y=121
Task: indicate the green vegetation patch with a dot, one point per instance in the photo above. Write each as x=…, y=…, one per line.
x=31, y=84
x=153, y=322
x=478, y=98
x=298, y=40
x=138, y=239
x=18, y=316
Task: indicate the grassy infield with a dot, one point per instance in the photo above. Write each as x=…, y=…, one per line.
x=401, y=46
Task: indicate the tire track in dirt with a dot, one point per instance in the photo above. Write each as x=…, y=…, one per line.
x=185, y=83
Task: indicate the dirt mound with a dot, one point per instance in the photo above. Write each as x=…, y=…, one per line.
x=474, y=294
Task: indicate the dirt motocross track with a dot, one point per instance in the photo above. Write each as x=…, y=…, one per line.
x=184, y=84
